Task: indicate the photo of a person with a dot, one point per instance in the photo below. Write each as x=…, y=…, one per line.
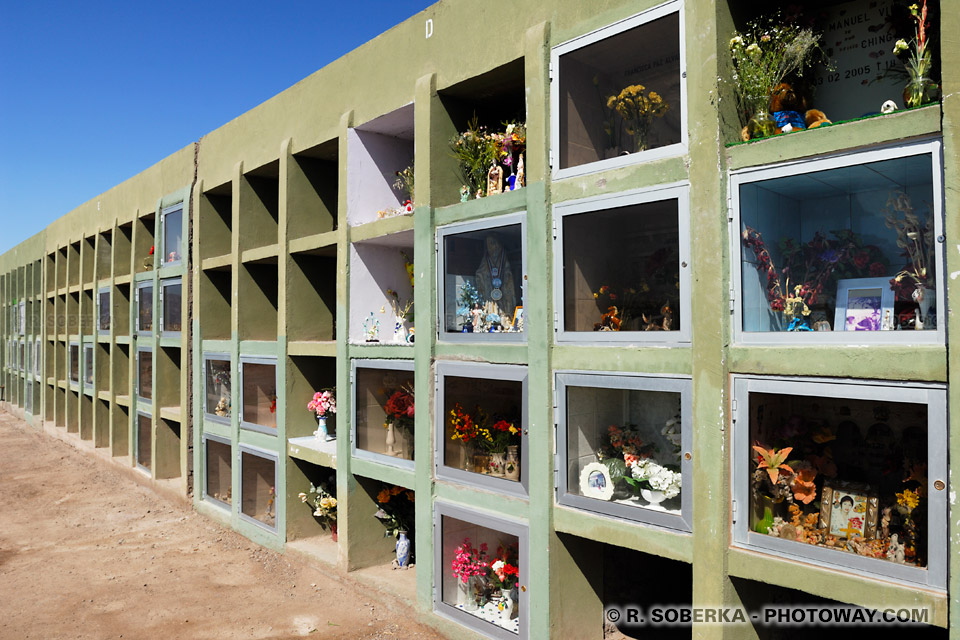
x=847, y=519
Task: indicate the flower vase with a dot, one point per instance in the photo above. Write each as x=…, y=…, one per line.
x=653, y=496
x=333, y=530
x=511, y=468
x=467, y=593
x=919, y=91
x=925, y=302
x=403, y=550
x=400, y=331
x=391, y=440
x=765, y=510
x=497, y=463
x=321, y=432
x=513, y=602
x=761, y=125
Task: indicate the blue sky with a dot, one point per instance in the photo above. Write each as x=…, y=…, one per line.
x=93, y=93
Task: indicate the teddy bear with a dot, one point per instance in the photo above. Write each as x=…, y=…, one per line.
x=786, y=108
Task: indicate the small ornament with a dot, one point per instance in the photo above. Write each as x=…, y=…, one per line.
x=464, y=193
x=494, y=180
x=371, y=328
x=888, y=107
x=521, y=174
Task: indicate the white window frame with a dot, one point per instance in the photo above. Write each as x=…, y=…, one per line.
x=482, y=224
x=382, y=365
x=100, y=330
x=163, y=234
x=681, y=193
x=269, y=455
x=164, y=284
x=933, y=396
x=252, y=426
x=207, y=438
x=836, y=161
x=667, y=151
x=218, y=356
x=137, y=292
x=153, y=373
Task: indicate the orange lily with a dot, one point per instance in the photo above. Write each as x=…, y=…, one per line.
x=773, y=461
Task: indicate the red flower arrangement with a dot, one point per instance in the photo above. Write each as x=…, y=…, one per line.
x=400, y=408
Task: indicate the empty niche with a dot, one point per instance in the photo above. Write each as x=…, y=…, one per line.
x=380, y=167
x=313, y=190
x=381, y=290
x=215, y=213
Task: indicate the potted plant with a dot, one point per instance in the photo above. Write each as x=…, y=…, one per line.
x=325, y=507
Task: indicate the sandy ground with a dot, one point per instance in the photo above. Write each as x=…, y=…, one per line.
x=86, y=552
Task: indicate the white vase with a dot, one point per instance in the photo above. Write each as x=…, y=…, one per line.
x=652, y=496
x=497, y=463
x=391, y=440
x=929, y=300
x=511, y=469
x=321, y=432
x=399, y=330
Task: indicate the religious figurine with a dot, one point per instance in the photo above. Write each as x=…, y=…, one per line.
x=521, y=174
x=371, y=328
x=494, y=180
x=479, y=193
x=477, y=314
x=223, y=408
x=464, y=193
x=887, y=323
x=494, y=278
x=896, y=552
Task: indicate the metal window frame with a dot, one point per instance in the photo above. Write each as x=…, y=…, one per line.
x=933, y=396
x=275, y=458
x=458, y=228
x=381, y=365
x=87, y=360
x=163, y=233
x=252, y=426
x=677, y=149
x=205, y=496
x=488, y=520
x=37, y=359
x=22, y=323
x=100, y=293
x=70, y=358
x=136, y=441
x=682, y=385
x=219, y=356
x=161, y=315
x=137, y=294
x=153, y=363
x=841, y=160
x=680, y=192
x=480, y=370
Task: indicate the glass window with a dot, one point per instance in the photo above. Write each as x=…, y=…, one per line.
x=74, y=362
x=217, y=384
x=849, y=248
x=219, y=465
x=482, y=425
x=145, y=308
x=481, y=572
x=88, y=365
x=104, y=311
x=37, y=358
x=22, y=357
x=259, y=394
x=172, y=236
x=384, y=404
x=28, y=367
x=258, y=491
x=621, y=269
x=23, y=318
x=624, y=441
x=144, y=444
x=845, y=474
x=172, y=303
x=145, y=374
x=483, y=273
x=620, y=90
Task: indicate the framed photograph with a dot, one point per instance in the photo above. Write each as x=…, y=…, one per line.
x=864, y=304
x=849, y=510
x=517, y=317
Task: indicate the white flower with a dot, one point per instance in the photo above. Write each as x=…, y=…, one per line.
x=497, y=566
x=900, y=46
x=735, y=41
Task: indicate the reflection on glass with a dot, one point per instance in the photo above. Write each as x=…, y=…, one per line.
x=483, y=426
x=481, y=572
x=483, y=279
x=172, y=236
x=624, y=446
x=88, y=364
x=74, y=363
x=171, y=307
x=621, y=269
x=845, y=249
x=217, y=388
x=259, y=394
x=258, y=488
x=385, y=404
x=145, y=375
x=842, y=474
x=145, y=309
x=621, y=95
x=218, y=471
x=143, y=440
x=104, y=318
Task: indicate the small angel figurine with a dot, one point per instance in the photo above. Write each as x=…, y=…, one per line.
x=464, y=193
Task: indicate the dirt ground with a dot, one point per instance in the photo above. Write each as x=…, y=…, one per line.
x=87, y=552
